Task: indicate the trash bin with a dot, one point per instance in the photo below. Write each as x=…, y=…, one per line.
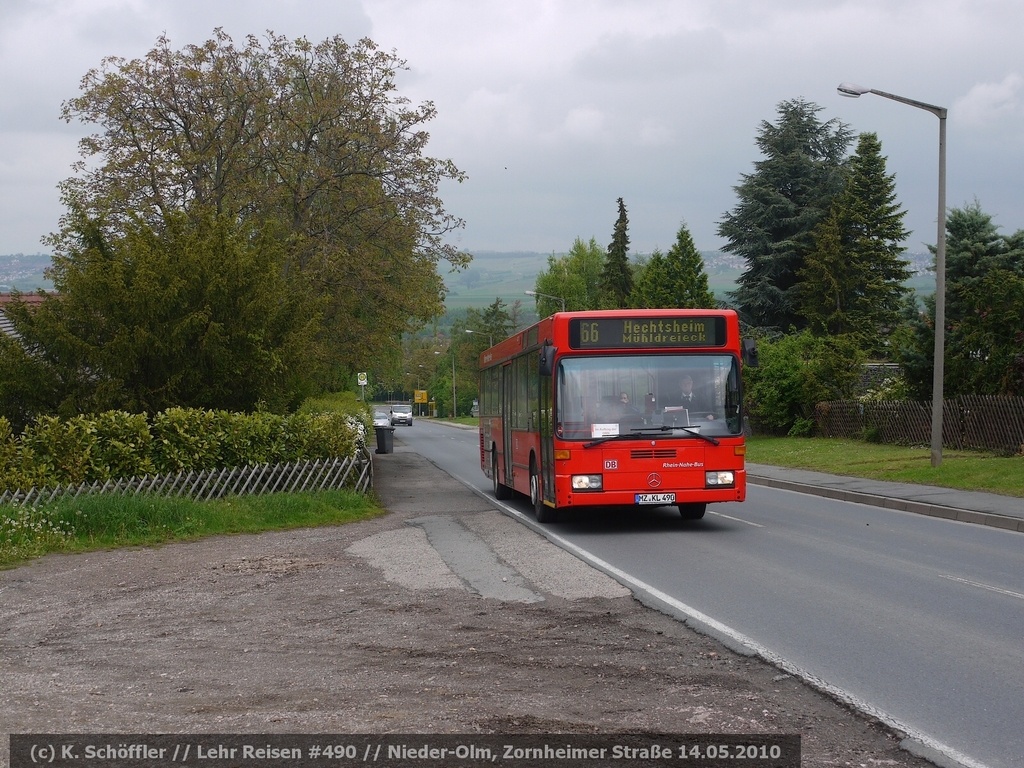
x=385, y=439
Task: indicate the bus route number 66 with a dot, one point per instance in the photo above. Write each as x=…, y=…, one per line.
x=589, y=333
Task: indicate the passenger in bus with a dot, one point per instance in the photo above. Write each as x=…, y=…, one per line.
x=597, y=410
x=626, y=408
x=693, y=400
x=628, y=413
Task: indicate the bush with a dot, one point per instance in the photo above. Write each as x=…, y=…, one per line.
x=795, y=373
x=18, y=469
x=63, y=449
x=123, y=445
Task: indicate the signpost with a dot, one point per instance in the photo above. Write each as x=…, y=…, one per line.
x=419, y=397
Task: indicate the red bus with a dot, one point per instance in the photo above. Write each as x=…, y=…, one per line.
x=617, y=408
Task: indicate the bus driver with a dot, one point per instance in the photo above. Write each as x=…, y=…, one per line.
x=694, y=402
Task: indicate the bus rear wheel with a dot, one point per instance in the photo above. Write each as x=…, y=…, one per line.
x=692, y=511
x=545, y=514
x=501, y=491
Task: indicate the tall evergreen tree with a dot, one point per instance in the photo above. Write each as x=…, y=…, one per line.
x=676, y=279
x=984, y=324
x=780, y=204
x=852, y=282
x=650, y=286
x=496, y=321
x=617, y=276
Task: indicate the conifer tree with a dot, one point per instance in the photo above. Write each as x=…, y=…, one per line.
x=984, y=323
x=852, y=282
x=780, y=204
x=617, y=276
x=676, y=279
x=686, y=273
x=651, y=288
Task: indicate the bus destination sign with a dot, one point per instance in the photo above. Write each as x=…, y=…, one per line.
x=633, y=332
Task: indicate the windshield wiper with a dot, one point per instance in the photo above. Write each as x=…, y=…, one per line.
x=642, y=431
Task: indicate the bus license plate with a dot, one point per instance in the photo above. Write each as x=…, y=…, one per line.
x=655, y=498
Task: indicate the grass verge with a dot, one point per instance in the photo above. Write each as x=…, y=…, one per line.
x=963, y=470
x=105, y=522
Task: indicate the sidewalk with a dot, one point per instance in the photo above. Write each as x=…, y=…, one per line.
x=966, y=506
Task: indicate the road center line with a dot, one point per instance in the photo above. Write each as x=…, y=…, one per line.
x=982, y=585
x=738, y=520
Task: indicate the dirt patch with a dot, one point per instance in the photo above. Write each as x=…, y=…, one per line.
x=380, y=627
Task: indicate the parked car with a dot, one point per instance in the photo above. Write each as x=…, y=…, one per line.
x=401, y=414
x=381, y=418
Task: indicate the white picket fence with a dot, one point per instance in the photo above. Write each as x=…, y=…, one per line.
x=355, y=472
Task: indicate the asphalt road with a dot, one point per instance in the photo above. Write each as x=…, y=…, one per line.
x=917, y=619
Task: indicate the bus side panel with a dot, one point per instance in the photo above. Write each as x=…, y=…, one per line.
x=525, y=445
x=491, y=442
x=488, y=430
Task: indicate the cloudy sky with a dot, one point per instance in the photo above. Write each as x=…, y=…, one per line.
x=556, y=108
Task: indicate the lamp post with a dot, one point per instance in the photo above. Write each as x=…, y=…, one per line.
x=546, y=296
x=853, y=91
x=419, y=386
x=438, y=353
x=490, y=337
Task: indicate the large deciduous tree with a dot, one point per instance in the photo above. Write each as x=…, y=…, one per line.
x=307, y=143
x=852, y=282
x=574, y=277
x=780, y=205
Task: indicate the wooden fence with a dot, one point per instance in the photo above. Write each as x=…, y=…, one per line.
x=968, y=423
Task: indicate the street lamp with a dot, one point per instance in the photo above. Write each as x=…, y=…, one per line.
x=546, y=296
x=419, y=386
x=490, y=337
x=853, y=91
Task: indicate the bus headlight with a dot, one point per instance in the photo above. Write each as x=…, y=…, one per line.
x=587, y=482
x=719, y=479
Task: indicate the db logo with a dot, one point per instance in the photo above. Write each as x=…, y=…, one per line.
x=611, y=464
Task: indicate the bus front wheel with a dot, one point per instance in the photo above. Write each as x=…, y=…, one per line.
x=545, y=514
x=692, y=511
x=501, y=491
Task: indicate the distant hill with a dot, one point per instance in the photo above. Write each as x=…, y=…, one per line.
x=491, y=274
x=24, y=272
x=508, y=274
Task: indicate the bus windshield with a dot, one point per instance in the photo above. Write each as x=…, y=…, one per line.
x=679, y=395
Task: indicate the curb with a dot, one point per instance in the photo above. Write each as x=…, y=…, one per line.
x=904, y=505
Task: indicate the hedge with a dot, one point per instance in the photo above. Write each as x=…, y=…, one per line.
x=116, y=444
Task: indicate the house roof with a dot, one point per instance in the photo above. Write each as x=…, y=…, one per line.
x=27, y=298
x=6, y=327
